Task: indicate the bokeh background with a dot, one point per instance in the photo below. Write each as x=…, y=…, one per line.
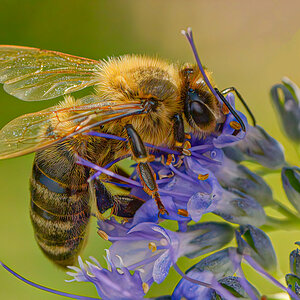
x=248, y=44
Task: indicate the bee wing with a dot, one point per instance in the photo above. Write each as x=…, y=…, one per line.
x=34, y=74
x=35, y=131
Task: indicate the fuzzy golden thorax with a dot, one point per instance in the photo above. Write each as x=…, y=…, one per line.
x=139, y=78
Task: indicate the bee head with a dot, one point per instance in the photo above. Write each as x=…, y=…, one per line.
x=201, y=108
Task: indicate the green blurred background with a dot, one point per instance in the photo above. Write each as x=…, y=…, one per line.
x=248, y=44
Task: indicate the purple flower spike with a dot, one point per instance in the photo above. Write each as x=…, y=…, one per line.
x=112, y=283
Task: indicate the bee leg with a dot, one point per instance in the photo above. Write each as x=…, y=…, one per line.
x=144, y=170
x=178, y=130
x=122, y=205
x=104, y=199
x=148, y=181
x=233, y=89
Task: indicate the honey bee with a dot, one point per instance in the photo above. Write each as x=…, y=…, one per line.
x=138, y=98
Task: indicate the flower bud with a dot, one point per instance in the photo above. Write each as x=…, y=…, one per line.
x=206, y=237
x=291, y=183
x=219, y=263
x=295, y=262
x=254, y=242
x=284, y=98
x=260, y=147
x=232, y=284
x=236, y=176
x=293, y=282
x=239, y=208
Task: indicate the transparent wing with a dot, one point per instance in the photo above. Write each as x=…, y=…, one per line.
x=35, y=131
x=34, y=74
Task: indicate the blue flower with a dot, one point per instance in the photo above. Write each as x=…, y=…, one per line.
x=288, y=107
x=112, y=283
x=149, y=248
x=231, y=133
x=258, y=146
x=232, y=175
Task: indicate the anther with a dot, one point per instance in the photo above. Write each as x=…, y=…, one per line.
x=145, y=287
x=151, y=158
x=203, y=176
x=225, y=109
x=169, y=159
x=186, y=152
x=235, y=125
x=187, y=145
x=178, y=144
x=183, y=212
x=152, y=247
x=188, y=136
x=103, y=234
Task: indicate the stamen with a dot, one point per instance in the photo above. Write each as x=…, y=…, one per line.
x=41, y=287
x=105, y=135
x=188, y=136
x=82, y=161
x=183, y=212
x=178, y=144
x=103, y=234
x=203, y=176
x=116, y=137
x=152, y=247
x=219, y=96
x=182, y=174
x=235, y=125
x=145, y=287
x=205, y=158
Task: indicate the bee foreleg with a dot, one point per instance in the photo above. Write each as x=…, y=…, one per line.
x=136, y=144
x=145, y=172
x=148, y=180
x=178, y=130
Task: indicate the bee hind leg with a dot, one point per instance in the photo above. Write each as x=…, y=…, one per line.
x=126, y=205
x=121, y=205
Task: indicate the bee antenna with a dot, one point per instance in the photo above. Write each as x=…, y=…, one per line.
x=189, y=35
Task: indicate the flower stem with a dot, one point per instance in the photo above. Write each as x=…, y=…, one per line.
x=273, y=224
x=284, y=210
x=216, y=286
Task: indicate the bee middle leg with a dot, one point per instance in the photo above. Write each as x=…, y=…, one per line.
x=145, y=172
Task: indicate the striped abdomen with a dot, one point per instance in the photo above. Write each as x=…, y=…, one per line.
x=60, y=207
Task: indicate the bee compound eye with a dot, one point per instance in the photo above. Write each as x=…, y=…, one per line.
x=200, y=113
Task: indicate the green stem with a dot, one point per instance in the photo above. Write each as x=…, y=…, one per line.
x=285, y=211
x=273, y=224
